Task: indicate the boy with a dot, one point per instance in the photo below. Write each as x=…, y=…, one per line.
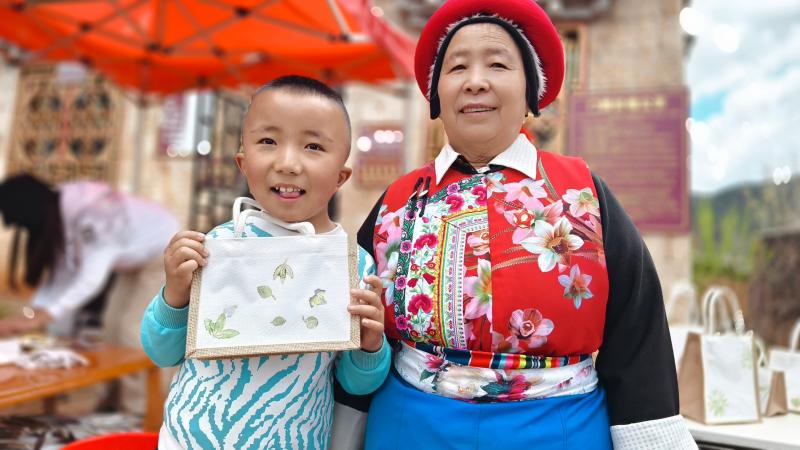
x=295, y=142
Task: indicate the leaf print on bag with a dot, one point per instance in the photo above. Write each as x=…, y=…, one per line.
x=553, y=244
x=530, y=327
x=717, y=403
x=747, y=358
x=283, y=271
x=576, y=286
x=278, y=321
x=217, y=329
x=311, y=322
x=265, y=292
x=318, y=299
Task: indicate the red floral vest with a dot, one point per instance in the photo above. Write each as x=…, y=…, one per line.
x=495, y=269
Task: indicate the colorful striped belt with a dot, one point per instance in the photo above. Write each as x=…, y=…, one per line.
x=492, y=377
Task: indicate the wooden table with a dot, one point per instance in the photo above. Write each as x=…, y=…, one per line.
x=106, y=362
x=772, y=433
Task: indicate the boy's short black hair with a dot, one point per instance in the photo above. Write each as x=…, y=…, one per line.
x=305, y=85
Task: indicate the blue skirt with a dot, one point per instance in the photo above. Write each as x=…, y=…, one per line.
x=402, y=417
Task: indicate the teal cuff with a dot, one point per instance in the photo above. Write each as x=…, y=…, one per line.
x=368, y=361
x=167, y=316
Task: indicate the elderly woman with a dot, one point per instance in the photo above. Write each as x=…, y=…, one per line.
x=507, y=267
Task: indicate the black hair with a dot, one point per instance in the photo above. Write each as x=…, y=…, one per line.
x=305, y=85
x=27, y=202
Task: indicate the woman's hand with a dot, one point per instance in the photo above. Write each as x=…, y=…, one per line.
x=19, y=324
x=370, y=309
x=183, y=255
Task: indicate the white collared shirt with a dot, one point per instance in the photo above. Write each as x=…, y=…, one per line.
x=521, y=155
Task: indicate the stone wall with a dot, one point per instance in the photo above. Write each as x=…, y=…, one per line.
x=639, y=44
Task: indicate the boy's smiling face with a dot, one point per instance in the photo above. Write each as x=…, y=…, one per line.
x=295, y=146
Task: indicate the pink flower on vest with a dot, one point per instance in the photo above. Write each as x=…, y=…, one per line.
x=529, y=326
x=420, y=301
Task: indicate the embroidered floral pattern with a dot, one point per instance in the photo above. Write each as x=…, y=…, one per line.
x=434, y=258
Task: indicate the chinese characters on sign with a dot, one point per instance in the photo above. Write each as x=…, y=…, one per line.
x=636, y=141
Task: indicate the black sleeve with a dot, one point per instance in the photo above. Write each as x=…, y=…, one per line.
x=364, y=237
x=635, y=363
x=367, y=230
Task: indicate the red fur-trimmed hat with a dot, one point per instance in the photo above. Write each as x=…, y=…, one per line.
x=526, y=23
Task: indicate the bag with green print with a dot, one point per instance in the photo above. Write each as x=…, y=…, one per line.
x=788, y=362
x=717, y=376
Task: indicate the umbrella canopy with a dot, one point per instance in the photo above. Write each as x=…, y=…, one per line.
x=164, y=46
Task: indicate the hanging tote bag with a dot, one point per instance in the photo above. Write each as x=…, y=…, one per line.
x=717, y=378
x=684, y=317
x=788, y=362
x=272, y=295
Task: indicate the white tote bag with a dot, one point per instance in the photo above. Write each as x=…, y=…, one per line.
x=771, y=384
x=272, y=295
x=684, y=317
x=717, y=378
x=788, y=362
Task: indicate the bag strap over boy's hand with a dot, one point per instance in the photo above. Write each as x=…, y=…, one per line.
x=240, y=218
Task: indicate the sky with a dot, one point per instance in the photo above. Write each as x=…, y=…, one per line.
x=743, y=72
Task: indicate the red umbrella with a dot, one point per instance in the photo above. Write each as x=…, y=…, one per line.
x=166, y=46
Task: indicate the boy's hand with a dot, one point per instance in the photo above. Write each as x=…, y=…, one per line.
x=370, y=308
x=183, y=255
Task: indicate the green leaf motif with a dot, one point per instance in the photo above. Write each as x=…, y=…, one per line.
x=795, y=402
x=226, y=334
x=311, y=322
x=265, y=292
x=747, y=358
x=210, y=326
x=318, y=298
x=278, y=321
x=283, y=271
x=217, y=329
x=494, y=389
x=718, y=403
x=426, y=374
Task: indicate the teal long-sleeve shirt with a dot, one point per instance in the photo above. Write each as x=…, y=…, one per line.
x=283, y=401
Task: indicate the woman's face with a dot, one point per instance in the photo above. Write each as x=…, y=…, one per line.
x=482, y=88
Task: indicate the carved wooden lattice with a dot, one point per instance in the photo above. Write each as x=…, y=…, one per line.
x=65, y=130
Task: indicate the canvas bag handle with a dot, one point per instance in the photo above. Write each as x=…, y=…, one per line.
x=794, y=338
x=732, y=303
x=685, y=290
x=240, y=218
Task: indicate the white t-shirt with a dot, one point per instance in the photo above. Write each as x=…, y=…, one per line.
x=104, y=230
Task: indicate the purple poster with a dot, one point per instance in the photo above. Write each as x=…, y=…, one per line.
x=636, y=141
